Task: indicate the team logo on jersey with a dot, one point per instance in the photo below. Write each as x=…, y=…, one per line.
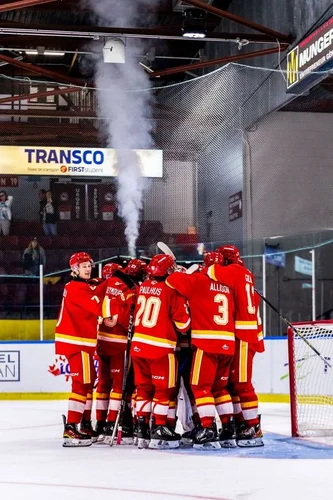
x=136, y=349
x=225, y=347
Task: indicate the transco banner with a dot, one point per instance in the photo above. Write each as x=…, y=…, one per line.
x=312, y=55
x=82, y=162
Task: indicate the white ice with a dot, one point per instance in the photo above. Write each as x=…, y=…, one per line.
x=34, y=465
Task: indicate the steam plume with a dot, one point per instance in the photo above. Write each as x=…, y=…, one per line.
x=128, y=110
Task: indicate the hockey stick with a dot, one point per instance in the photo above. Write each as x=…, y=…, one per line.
x=165, y=249
x=118, y=427
x=192, y=269
x=295, y=330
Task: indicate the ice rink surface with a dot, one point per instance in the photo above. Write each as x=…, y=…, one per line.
x=34, y=465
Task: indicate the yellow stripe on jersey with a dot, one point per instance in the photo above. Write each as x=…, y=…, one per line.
x=211, y=273
x=142, y=337
x=183, y=326
x=205, y=401
x=106, y=308
x=115, y=395
x=102, y=395
x=197, y=366
x=86, y=367
x=78, y=397
x=168, y=284
x=250, y=404
x=172, y=371
x=223, y=399
x=243, y=351
x=103, y=335
x=71, y=339
x=214, y=333
x=246, y=325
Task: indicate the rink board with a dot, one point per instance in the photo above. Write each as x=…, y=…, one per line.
x=30, y=370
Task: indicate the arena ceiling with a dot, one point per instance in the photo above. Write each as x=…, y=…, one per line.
x=29, y=29
x=58, y=25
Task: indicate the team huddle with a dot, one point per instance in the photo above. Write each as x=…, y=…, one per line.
x=156, y=331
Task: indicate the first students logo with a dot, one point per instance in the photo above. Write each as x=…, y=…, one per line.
x=292, y=67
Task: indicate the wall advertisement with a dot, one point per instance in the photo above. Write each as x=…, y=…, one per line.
x=311, y=56
x=34, y=368
x=73, y=162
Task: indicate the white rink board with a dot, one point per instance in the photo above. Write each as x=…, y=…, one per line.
x=24, y=368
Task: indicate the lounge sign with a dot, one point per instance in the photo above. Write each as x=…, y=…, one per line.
x=311, y=55
x=83, y=162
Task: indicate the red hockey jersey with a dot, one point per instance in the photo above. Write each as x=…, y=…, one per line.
x=241, y=281
x=82, y=303
x=112, y=332
x=260, y=345
x=212, y=311
x=159, y=310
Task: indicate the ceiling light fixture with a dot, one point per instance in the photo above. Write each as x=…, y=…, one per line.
x=194, y=25
x=45, y=53
x=193, y=33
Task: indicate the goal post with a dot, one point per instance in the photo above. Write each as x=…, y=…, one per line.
x=311, y=380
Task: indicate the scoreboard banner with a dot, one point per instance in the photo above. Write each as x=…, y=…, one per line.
x=311, y=56
x=82, y=162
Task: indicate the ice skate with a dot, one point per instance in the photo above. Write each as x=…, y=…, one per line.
x=206, y=439
x=143, y=435
x=188, y=437
x=73, y=437
x=250, y=437
x=162, y=437
x=100, y=431
x=108, y=432
x=227, y=435
x=87, y=428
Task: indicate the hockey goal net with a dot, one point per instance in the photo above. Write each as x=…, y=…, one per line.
x=311, y=379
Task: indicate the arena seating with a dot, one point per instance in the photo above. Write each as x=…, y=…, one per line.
x=19, y=297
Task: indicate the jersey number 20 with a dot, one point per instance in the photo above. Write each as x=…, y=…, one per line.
x=148, y=311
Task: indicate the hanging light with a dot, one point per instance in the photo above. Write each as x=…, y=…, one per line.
x=194, y=25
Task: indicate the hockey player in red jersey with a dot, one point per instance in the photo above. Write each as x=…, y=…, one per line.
x=137, y=270
x=248, y=341
x=104, y=379
x=76, y=338
x=111, y=347
x=159, y=311
x=213, y=336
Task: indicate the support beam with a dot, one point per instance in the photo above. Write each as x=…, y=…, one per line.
x=45, y=113
x=237, y=19
x=29, y=97
x=23, y=4
x=96, y=33
x=58, y=77
x=212, y=62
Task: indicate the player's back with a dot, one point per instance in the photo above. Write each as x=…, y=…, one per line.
x=159, y=309
x=212, y=311
x=241, y=281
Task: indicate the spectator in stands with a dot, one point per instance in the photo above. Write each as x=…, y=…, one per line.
x=50, y=216
x=33, y=256
x=42, y=203
x=5, y=212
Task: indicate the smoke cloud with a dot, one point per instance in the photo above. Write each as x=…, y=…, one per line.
x=128, y=109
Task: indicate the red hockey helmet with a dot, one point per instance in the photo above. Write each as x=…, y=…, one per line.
x=230, y=253
x=211, y=258
x=136, y=268
x=109, y=269
x=78, y=258
x=161, y=265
